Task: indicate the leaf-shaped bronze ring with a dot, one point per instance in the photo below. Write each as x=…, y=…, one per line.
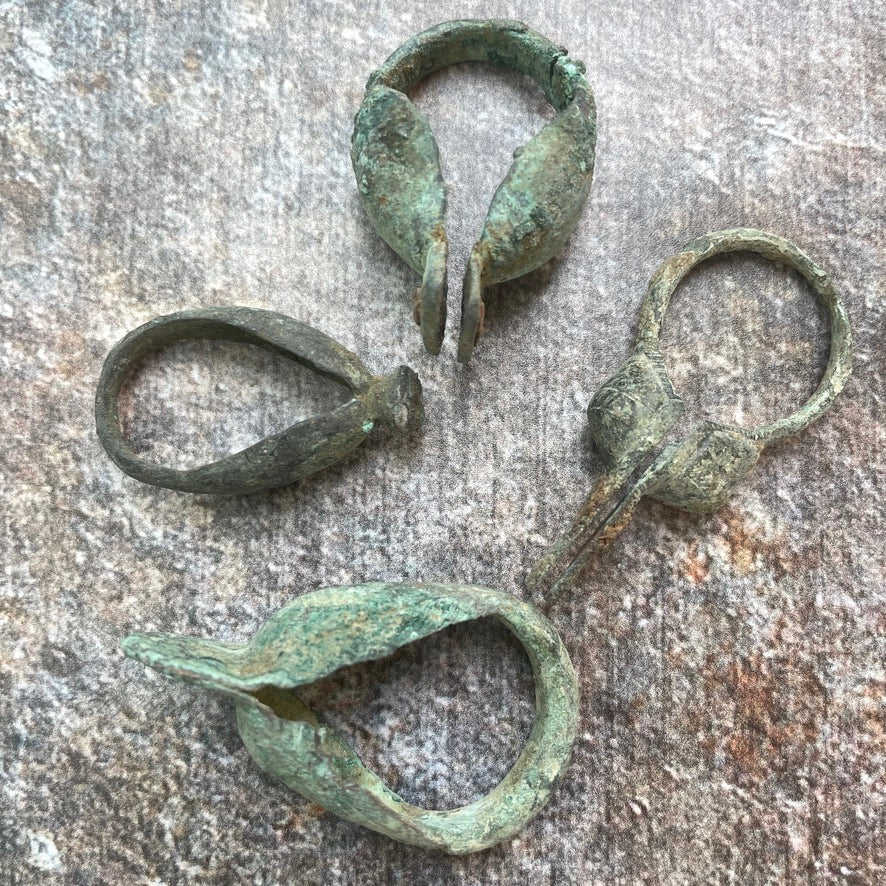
x=633, y=417
x=301, y=450
x=535, y=208
x=328, y=629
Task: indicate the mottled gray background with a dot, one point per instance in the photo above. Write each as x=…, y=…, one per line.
x=161, y=155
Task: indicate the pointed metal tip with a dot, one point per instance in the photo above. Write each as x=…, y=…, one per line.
x=545, y=582
x=137, y=646
x=167, y=653
x=192, y=659
x=472, y=306
x=430, y=299
x=604, y=515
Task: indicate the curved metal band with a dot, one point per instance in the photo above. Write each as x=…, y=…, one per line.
x=502, y=42
x=282, y=458
x=322, y=631
x=673, y=270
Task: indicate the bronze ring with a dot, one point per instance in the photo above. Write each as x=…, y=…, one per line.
x=304, y=448
x=535, y=208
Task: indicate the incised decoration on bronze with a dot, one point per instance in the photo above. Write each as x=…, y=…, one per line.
x=632, y=417
x=535, y=208
x=322, y=631
x=392, y=400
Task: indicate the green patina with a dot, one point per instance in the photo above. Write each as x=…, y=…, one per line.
x=393, y=401
x=635, y=417
x=535, y=208
x=322, y=631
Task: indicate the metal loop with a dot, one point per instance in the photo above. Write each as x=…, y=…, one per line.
x=674, y=269
x=535, y=208
x=634, y=417
x=280, y=459
x=322, y=631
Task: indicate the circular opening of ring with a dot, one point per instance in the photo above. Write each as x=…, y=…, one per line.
x=745, y=340
x=197, y=401
x=443, y=719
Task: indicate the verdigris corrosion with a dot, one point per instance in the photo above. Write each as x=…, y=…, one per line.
x=328, y=629
x=633, y=413
x=535, y=208
x=392, y=400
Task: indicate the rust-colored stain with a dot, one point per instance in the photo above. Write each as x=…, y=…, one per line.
x=695, y=565
x=749, y=550
x=872, y=710
x=297, y=821
x=777, y=708
x=91, y=82
x=191, y=60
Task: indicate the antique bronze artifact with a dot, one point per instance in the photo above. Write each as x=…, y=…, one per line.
x=632, y=417
x=322, y=631
x=392, y=400
x=535, y=208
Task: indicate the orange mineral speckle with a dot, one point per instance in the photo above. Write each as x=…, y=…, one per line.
x=749, y=550
x=695, y=565
x=776, y=712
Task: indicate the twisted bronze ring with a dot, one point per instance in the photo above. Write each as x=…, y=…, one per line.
x=535, y=208
x=392, y=400
x=322, y=631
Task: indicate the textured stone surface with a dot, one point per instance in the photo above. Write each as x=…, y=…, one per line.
x=159, y=156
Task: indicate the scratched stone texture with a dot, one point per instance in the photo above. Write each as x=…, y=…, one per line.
x=156, y=156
